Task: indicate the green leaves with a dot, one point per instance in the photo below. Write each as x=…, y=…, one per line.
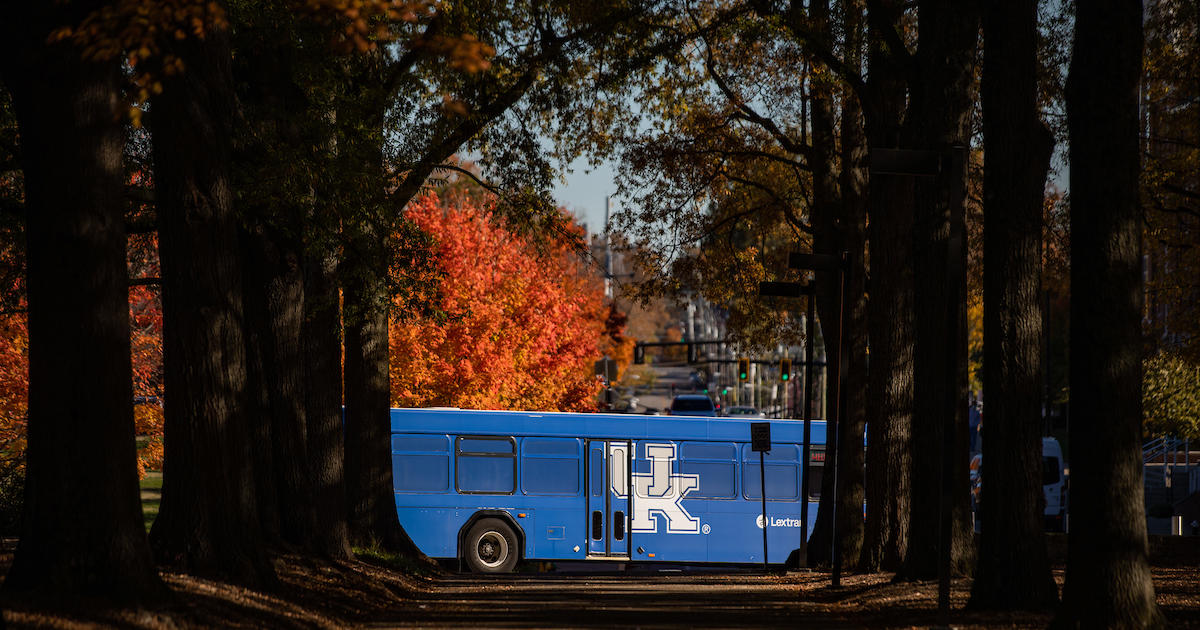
x=1171, y=395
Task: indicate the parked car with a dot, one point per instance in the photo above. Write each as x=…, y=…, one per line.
x=1054, y=484
x=692, y=405
x=743, y=411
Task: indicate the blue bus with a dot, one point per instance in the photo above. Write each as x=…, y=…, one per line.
x=492, y=488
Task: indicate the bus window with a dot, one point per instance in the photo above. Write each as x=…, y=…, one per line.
x=485, y=465
x=550, y=466
x=782, y=469
x=716, y=463
x=420, y=463
x=1051, y=471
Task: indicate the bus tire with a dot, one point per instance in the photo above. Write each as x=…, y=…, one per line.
x=491, y=547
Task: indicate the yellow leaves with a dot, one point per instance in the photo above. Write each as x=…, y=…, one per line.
x=148, y=425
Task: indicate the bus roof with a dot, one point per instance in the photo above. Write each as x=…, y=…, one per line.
x=595, y=425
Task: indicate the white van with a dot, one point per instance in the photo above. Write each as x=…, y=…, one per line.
x=1054, y=484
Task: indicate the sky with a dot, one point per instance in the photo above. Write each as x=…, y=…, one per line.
x=583, y=193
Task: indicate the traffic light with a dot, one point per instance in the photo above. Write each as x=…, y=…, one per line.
x=743, y=369
x=639, y=354
x=785, y=370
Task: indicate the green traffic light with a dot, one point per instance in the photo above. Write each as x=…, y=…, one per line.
x=785, y=376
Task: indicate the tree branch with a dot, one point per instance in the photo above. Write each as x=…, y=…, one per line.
x=418, y=51
x=816, y=43
x=141, y=225
x=747, y=113
x=882, y=19
x=492, y=188
x=1181, y=191
x=12, y=207
x=140, y=194
x=784, y=206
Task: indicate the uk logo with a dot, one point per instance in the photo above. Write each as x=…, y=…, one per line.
x=659, y=493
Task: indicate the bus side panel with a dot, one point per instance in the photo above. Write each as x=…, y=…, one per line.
x=546, y=504
x=718, y=518
x=433, y=530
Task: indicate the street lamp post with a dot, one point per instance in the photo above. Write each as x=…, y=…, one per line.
x=837, y=265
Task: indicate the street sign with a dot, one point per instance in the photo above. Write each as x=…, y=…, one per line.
x=815, y=262
x=760, y=437
x=784, y=289
x=912, y=162
x=607, y=368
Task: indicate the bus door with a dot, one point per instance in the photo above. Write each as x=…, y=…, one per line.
x=608, y=498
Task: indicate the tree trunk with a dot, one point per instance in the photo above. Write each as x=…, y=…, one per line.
x=368, y=419
x=852, y=236
x=1013, y=569
x=1108, y=577
x=824, y=214
x=208, y=523
x=82, y=531
x=939, y=115
x=275, y=294
x=274, y=175
x=890, y=320
x=323, y=404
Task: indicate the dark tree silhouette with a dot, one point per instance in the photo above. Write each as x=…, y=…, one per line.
x=938, y=118
x=889, y=311
x=209, y=522
x=1108, y=576
x=82, y=531
x=1013, y=568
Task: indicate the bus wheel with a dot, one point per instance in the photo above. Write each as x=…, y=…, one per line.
x=491, y=547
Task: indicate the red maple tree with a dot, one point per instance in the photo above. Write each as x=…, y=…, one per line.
x=519, y=328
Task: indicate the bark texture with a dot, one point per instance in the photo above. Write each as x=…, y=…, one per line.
x=851, y=230
x=889, y=315
x=1108, y=578
x=1013, y=568
x=82, y=531
x=209, y=522
x=274, y=299
x=323, y=405
x=368, y=419
x=274, y=192
x=825, y=211
x=939, y=114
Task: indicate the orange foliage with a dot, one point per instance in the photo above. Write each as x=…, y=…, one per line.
x=14, y=391
x=145, y=310
x=520, y=330
x=145, y=340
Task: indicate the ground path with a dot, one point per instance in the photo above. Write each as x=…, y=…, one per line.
x=320, y=595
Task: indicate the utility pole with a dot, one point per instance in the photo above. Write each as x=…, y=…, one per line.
x=608, y=257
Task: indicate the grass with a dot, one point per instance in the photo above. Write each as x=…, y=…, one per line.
x=151, y=487
x=394, y=561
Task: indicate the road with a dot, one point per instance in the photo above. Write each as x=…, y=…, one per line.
x=628, y=601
